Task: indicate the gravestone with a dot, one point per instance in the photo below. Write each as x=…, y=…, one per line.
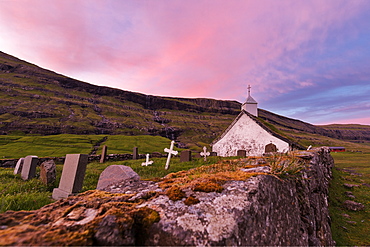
x=18, y=166
x=114, y=174
x=103, y=154
x=170, y=152
x=29, y=167
x=241, y=153
x=270, y=148
x=48, y=172
x=185, y=156
x=72, y=176
x=213, y=154
x=205, y=153
x=135, y=153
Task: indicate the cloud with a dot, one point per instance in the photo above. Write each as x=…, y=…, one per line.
x=291, y=52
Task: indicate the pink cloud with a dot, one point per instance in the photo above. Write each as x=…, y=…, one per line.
x=185, y=48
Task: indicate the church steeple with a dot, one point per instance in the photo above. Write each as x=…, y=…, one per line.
x=250, y=105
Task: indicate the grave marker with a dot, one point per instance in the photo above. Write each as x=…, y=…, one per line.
x=213, y=154
x=147, y=162
x=185, y=156
x=29, y=167
x=18, y=166
x=205, y=153
x=48, y=172
x=103, y=154
x=135, y=153
x=170, y=151
x=114, y=174
x=72, y=176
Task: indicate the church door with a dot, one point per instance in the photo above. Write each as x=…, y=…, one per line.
x=270, y=148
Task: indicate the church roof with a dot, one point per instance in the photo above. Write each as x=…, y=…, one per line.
x=250, y=100
x=255, y=119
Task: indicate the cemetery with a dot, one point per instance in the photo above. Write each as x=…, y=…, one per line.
x=236, y=193
x=180, y=200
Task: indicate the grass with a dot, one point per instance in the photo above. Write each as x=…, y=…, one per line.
x=344, y=232
x=119, y=144
x=13, y=146
x=16, y=194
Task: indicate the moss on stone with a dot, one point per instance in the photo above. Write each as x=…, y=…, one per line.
x=175, y=193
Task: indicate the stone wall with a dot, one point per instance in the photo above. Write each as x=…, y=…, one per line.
x=263, y=210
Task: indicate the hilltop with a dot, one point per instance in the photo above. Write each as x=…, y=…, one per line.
x=39, y=101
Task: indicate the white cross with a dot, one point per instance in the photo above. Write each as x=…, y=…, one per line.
x=170, y=151
x=147, y=162
x=205, y=153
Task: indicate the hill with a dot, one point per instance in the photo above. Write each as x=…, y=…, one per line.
x=39, y=101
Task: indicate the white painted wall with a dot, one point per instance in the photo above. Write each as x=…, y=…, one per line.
x=247, y=135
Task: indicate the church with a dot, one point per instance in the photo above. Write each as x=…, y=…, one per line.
x=248, y=133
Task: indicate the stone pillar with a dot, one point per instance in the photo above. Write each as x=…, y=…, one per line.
x=241, y=153
x=72, y=176
x=135, y=153
x=185, y=156
x=103, y=154
x=29, y=167
x=18, y=166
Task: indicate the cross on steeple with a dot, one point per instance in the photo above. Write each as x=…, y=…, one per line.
x=249, y=90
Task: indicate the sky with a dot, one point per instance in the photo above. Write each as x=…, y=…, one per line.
x=304, y=59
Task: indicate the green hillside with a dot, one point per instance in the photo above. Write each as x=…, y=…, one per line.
x=38, y=101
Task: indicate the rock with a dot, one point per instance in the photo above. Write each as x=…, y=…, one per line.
x=48, y=172
x=351, y=222
x=350, y=186
x=109, y=232
x=259, y=210
x=262, y=169
x=115, y=174
x=353, y=206
x=346, y=215
x=365, y=184
x=349, y=194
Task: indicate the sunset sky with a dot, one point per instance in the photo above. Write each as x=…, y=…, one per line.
x=308, y=60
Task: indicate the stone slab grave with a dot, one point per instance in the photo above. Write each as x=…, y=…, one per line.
x=18, y=166
x=103, y=156
x=29, y=167
x=135, y=153
x=72, y=176
x=185, y=156
x=48, y=172
x=114, y=174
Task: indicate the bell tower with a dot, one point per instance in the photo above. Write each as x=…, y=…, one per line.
x=250, y=105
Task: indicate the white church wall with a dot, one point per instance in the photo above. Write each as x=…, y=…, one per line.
x=247, y=135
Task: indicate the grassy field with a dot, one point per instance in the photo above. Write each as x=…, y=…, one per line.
x=12, y=146
x=350, y=228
